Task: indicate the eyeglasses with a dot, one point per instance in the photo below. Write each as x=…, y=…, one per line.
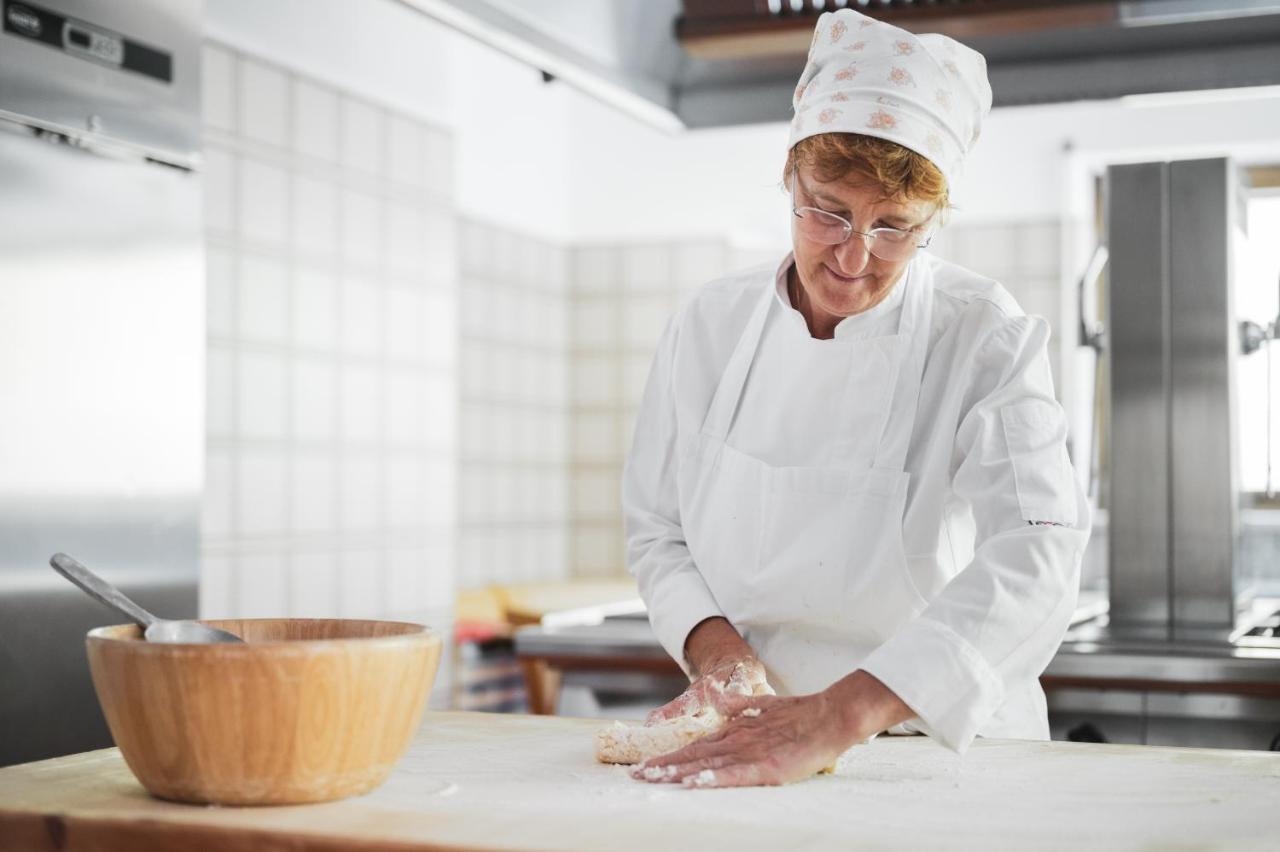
x=891, y=244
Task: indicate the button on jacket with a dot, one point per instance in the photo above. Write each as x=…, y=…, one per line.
x=897, y=499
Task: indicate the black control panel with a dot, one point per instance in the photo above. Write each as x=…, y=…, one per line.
x=86, y=41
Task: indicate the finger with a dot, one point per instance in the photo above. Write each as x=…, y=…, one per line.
x=676, y=773
x=708, y=746
x=734, y=775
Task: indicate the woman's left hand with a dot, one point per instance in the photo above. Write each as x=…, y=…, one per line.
x=789, y=739
x=770, y=740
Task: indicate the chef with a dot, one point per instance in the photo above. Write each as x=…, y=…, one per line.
x=849, y=481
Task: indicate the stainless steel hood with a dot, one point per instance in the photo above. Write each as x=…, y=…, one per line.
x=708, y=63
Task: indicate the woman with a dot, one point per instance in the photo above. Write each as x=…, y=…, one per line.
x=849, y=480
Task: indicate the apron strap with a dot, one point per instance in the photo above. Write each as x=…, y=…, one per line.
x=914, y=328
x=724, y=404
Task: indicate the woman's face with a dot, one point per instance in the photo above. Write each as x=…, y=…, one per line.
x=846, y=279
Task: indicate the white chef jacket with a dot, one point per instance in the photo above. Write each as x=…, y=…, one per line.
x=994, y=523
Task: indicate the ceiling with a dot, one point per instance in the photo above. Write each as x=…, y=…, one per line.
x=711, y=63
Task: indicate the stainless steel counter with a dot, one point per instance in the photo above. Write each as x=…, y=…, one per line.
x=1101, y=686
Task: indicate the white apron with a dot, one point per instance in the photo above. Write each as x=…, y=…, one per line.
x=808, y=563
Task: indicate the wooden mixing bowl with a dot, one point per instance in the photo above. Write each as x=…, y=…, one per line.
x=307, y=710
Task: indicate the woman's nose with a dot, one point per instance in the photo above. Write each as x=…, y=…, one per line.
x=852, y=255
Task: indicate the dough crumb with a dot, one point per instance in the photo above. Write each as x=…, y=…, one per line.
x=659, y=773
x=751, y=711
x=705, y=778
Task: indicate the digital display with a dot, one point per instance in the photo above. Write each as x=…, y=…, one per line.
x=85, y=40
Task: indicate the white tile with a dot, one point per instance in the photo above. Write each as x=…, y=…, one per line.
x=440, y=411
x=217, y=87
x=646, y=268
x=406, y=491
x=473, y=245
x=360, y=404
x=313, y=585
x=219, y=414
x=597, y=551
x=595, y=380
x=361, y=317
x=557, y=498
x=360, y=494
x=315, y=120
x=439, y=573
x=406, y=308
x=219, y=189
x=440, y=328
x=438, y=155
x=360, y=584
x=261, y=395
x=262, y=300
x=216, y=582
x=315, y=308
x=995, y=251
x=314, y=417
x=695, y=264
x=441, y=491
x=596, y=494
x=406, y=240
x=595, y=323
x=315, y=216
x=440, y=247
x=260, y=490
x=263, y=200
x=262, y=585
x=1043, y=300
x=596, y=269
x=406, y=408
x=314, y=493
x=406, y=162
x=406, y=580
x=1038, y=249
x=471, y=495
x=219, y=292
x=362, y=135
x=217, y=501
x=264, y=103
x=595, y=437
x=361, y=237
x=643, y=319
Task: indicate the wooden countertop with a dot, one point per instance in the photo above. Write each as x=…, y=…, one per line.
x=478, y=781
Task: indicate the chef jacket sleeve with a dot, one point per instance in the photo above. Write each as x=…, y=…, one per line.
x=996, y=625
x=673, y=590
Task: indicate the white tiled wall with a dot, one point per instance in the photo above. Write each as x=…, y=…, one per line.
x=1024, y=257
x=620, y=301
x=513, y=522
x=333, y=314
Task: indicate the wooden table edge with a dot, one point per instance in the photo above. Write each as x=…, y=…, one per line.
x=26, y=831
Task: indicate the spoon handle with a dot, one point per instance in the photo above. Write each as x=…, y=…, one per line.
x=100, y=588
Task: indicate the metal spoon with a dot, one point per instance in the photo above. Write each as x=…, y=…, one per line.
x=154, y=629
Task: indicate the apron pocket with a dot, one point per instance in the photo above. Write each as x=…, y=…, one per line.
x=832, y=558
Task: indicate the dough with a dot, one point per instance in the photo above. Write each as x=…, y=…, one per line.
x=622, y=743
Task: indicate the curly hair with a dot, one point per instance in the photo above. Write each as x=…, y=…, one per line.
x=901, y=174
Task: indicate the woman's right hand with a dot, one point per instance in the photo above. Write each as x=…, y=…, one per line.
x=731, y=677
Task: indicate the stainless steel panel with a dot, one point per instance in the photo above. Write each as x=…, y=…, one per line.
x=101, y=416
x=126, y=107
x=1203, y=341
x=1138, y=322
